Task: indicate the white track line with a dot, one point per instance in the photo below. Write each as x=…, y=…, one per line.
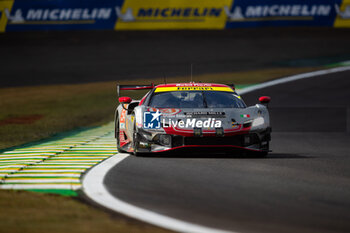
x=68, y=163
x=41, y=186
x=293, y=78
x=9, y=170
x=43, y=174
x=11, y=166
x=94, y=187
x=14, y=158
x=59, y=166
x=32, y=180
x=37, y=170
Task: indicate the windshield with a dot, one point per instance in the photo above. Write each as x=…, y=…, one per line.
x=196, y=99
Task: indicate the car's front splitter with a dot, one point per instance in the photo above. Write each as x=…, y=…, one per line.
x=208, y=149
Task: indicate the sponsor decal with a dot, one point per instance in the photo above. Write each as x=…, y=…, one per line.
x=159, y=14
x=151, y=120
x=46, y=15
x=343, y=14
x=234, y=124
x=167, y=12
x=277, y=11
x=193, y=88
x=60, y=14
x=252, y=13
x=122, y=119
x=165, y=111
x=245, y=115
x=170, y=111
x=205, y=114
x=193, y=85
x=5, y=8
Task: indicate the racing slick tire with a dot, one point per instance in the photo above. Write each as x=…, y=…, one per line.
x=260, y=154
x=135, y=143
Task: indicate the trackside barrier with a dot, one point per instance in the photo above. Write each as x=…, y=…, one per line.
x=26, y=15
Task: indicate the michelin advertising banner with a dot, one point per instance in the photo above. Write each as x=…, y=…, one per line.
x=254, y=13
x=26, y=15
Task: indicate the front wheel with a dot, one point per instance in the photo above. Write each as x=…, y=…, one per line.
x=135, y=143
x=264, y=153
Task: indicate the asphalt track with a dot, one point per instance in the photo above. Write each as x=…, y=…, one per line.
x=302, y=186
x=35, y=58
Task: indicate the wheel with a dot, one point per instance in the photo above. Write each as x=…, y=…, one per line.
x=135, y=143
x=263, y=153
x=258, y=154
x=119, y=149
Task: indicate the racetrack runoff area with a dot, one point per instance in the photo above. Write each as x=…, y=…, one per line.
x=104, y=139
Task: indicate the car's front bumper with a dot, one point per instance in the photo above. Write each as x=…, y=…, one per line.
x=251, y=141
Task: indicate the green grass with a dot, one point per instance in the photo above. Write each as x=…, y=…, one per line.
x=62, y=107
x=23, y=211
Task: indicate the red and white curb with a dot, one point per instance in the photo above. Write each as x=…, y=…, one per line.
x=56, y=164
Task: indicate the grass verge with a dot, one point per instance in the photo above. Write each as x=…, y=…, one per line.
x=23, y=211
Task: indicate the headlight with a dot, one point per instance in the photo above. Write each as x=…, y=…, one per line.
x=163, y=139
x=258, y=121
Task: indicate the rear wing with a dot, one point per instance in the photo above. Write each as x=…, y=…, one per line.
x=133, y=87
x=232, y=86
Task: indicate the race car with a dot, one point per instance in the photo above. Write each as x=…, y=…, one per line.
x=191, y=117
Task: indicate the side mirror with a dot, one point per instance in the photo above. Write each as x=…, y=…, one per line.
x=125, y=100
x=264, y=99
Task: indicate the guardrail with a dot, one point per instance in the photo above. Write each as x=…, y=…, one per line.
x=26, y=15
